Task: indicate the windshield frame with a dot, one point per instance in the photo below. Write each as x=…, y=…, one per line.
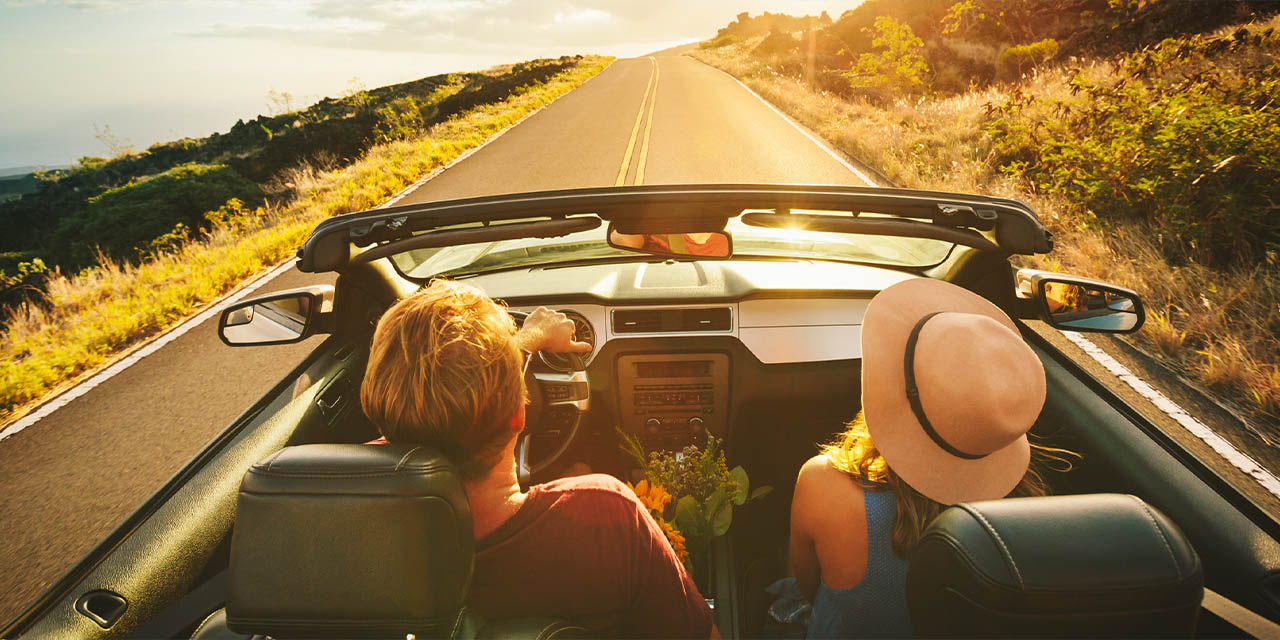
x=1011, y=226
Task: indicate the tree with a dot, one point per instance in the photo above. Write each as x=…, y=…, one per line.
x=896, y=65
x=279, y=102
x=1019, y=59
x=1013, y=20
x=116, y=145
x=357, y=93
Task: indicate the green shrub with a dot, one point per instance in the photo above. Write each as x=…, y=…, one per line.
x=897, y=64
x=1019, y=59
x=130, y=216
x=1180, y=137
x=722, y=40
x=21, y=277
x=777, y=43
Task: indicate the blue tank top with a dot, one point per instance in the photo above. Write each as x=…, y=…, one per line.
x=876, y=607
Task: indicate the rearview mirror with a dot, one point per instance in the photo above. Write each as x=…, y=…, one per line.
x=279, y=318
x=1072, y=303
x=712, y=244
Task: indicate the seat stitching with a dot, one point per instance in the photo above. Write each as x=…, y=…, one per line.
x=959, y=546
x=400, y=465
x=1003, y=548
x=564, y=628
x=542, y=633
x=457, y=623
x=204, y=622
x=1177, y=568
x=272, y=459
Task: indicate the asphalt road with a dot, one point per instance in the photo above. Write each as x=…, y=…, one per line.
x=71, y=477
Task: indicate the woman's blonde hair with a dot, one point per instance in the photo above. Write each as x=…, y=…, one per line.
x=444, y=371
x=854, y=453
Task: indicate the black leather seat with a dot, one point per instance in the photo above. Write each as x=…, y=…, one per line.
x=1104, y=565
x=356, y=541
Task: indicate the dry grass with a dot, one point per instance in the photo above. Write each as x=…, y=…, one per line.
x=1217, y=327
x=93, y=316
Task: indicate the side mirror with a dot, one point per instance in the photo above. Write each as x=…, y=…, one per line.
x=1072, y=303
x=711, y=244
x=278, y=318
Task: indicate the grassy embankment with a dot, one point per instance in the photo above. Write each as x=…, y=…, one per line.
x=91, y=317
x=1124, y=162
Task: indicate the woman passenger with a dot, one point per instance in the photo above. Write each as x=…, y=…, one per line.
x=949, y=391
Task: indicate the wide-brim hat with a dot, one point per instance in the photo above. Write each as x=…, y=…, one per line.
x=979, y=388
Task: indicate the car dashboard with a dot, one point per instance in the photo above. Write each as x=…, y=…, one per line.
x=678, y=347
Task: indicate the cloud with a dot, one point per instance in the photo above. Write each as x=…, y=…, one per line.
x=499, y=26
x=86, y=5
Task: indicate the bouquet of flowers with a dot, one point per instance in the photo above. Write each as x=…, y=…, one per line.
x=691, y=493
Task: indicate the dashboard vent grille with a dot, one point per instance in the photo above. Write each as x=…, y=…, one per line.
x=671, y=320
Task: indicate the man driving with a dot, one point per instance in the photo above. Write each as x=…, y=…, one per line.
x=446, y=370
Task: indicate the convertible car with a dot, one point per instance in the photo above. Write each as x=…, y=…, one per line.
x=733, y=310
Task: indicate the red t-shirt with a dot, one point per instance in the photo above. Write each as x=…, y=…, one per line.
x=585, y=550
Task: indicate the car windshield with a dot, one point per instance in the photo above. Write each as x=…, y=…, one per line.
x=748, y=242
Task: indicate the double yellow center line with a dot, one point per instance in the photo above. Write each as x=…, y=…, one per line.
x=650, y=98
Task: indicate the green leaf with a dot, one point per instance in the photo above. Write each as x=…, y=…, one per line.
x=631, y=446
x=720, y=512
x=742, y=482
x=689, y=517
x=760, y=492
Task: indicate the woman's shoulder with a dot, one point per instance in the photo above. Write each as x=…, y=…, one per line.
x=824, y=492
x=818, y=473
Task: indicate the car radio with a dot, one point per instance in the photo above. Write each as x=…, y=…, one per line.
x=670, y=400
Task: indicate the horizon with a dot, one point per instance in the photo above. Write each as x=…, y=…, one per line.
x=153, y=72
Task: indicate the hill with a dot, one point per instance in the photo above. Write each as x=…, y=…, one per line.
x=84, y=320
x=1143, y=132
x=15, y=186
x=974, y=43
x=119, y=208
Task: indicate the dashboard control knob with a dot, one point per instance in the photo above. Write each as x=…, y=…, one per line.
x=695, y=424
x=653, y=424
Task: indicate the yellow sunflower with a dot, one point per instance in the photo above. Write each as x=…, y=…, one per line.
x=654, y=496
x=676, y=539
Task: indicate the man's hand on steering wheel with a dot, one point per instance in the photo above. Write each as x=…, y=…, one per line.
x=551, y=331
x=557, y=398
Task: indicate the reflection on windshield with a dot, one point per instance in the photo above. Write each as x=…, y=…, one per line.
x=748, y=242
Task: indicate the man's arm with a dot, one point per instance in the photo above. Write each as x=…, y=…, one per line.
x=547, y=330
x=665, y=603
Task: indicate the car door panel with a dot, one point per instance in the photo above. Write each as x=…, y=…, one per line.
x=167, y=545
x=1123, y=453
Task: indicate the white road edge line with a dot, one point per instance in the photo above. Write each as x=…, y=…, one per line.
x=148, y=348
x=803, y=131
x=1228, y=451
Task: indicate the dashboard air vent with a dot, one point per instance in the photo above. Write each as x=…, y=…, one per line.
x=671, y=320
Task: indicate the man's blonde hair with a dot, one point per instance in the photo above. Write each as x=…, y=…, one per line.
x=445, y=371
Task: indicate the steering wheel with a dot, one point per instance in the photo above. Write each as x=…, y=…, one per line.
x=558, y=401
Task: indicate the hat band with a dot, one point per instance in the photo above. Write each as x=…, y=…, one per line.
x=913, y=394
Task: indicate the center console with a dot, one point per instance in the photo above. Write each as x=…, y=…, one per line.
x=671, y=400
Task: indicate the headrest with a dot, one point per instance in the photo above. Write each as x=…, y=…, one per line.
x=1087, y=565
x=349, y=541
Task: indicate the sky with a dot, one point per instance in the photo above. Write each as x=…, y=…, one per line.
x=156, y=70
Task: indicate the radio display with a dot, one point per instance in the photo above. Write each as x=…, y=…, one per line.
x=677, y=369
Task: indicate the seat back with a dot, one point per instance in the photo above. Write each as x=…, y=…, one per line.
x=1105, y=565
x=351, y=541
